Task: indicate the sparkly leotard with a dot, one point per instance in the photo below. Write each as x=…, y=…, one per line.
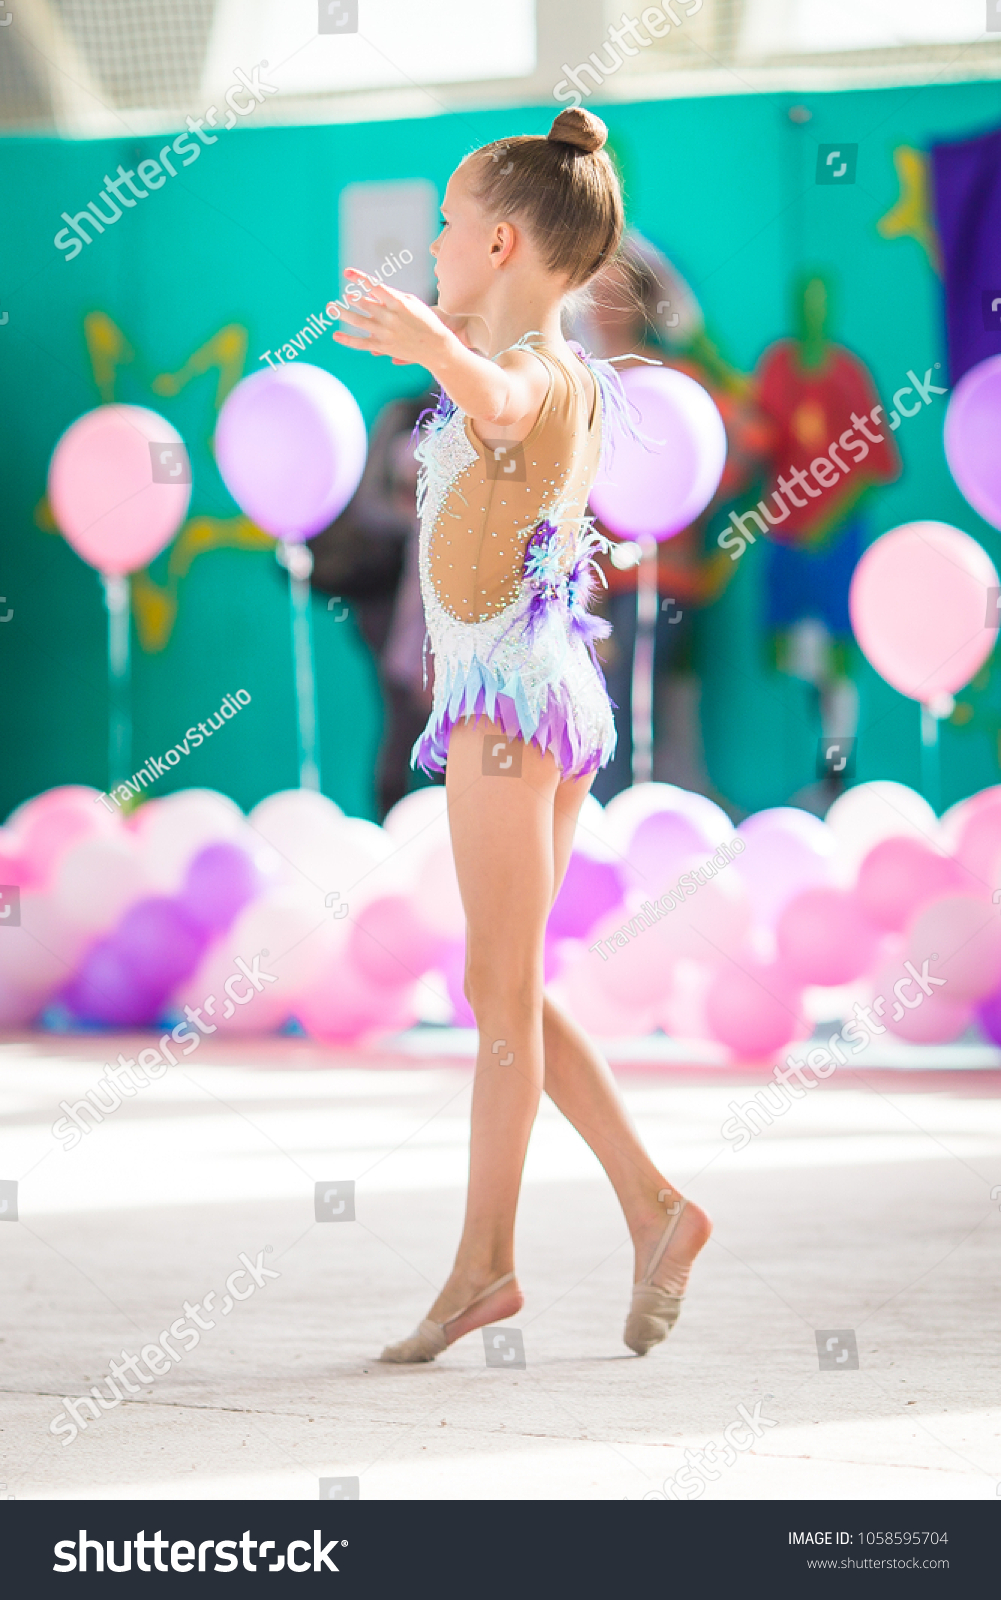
x=507, y=572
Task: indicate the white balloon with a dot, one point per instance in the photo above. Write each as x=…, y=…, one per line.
x=436, y=899
x=625, y=811
x=42, y=953
x=98, y=880
x=593, y=836
x=170, y=832
x=416, y=828
x=420, y=817
x=870, y=812
x=299, y=823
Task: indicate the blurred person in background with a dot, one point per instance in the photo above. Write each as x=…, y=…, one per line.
x=640, y=305
x=368, y=557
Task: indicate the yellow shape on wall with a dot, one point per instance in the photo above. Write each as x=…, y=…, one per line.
x=155, y=608
x=910, y=217
x=226, y=350
x=108, y=349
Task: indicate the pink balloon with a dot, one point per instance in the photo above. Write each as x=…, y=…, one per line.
x=104, y=495
x=955, y=819
x=787, y=851
x=979, y=845
x=825, y=938
x=683, y=1014
x=53, y=800
x=17, y=1009
x=920, y=1018
x=657, y=489
x=970, y=436
x=46, y=833
x=709, y=919
x=960, y=938
x=754, y=1009
x=12, y=868
x=291, y=444
x=453, y=965
x=598, y=1010
x=390, y=946
x=346, y=1006
x=635, y=971
x=256, y=1013
x=919, y=603
x=899, y=875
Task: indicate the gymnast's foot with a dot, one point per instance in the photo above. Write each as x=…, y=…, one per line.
x=479, y=1306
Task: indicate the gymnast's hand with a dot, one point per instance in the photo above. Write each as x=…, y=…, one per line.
x=506, y=392
x=394, y=324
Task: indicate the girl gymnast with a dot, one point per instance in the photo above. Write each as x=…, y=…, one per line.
x=520, y=715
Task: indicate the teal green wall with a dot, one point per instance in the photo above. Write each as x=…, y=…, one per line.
x=247, y=235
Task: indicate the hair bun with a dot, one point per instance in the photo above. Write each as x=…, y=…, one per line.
x=579, y=128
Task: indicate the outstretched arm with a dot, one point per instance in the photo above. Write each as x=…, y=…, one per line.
x=505, y=393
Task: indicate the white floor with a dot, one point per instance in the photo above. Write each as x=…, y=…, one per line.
x=873, y=1205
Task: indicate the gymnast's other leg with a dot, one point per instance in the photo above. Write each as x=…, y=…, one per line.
x=579, y=1082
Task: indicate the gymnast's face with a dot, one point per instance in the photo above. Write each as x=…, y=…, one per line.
x=462, y=250
x=473, y=251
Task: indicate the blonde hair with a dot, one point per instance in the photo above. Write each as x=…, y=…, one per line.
x=564, y=189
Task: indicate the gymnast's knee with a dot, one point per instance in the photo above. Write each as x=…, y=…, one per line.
x=491, y=984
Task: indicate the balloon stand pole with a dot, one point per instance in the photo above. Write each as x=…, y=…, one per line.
x=931, y=771
x=643, y=662
x=298, y=559
x=116, y=599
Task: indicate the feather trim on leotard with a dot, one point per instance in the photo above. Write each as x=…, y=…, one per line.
x=473, y=690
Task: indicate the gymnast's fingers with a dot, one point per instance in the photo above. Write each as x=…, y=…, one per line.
x=372, y=286
x=357, y=344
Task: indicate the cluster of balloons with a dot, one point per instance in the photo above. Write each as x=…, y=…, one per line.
x=668, y=917
x=290, y=444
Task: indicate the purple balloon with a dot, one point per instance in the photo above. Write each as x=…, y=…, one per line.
x=159, y=944
x=988, y=1014
x=291, y=444
x=589, y=889
x=105, y=990
x=972, y=428
x=661, y=849
x=654, y=490
x=219, y=883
